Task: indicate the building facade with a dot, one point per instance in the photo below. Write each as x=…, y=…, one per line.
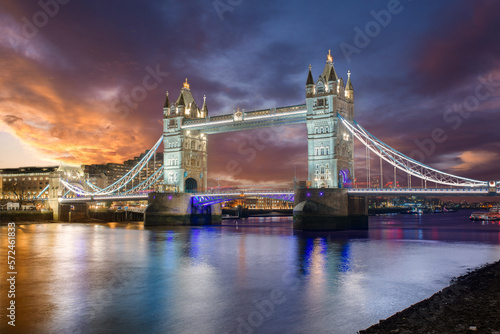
x=103, y=175
x=260, y=203
x=25, y=183
x=185, y=151
x=153, y=165
x=330, y=144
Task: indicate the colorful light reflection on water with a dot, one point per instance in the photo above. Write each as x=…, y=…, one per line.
x=256, y=275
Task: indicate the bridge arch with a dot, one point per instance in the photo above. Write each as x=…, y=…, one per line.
x=190, y=185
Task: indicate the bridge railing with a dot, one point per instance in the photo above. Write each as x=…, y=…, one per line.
x=247, y=114
x=418, y=190
x=291, y=108
x=250, y=114
x=196, y=121
x=221, y=118
x=242, y=192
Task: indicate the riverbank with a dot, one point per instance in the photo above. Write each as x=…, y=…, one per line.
x=36, y=222
x=25, y=216
x=469, y=305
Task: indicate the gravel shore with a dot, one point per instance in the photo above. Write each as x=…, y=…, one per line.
x=471, y=304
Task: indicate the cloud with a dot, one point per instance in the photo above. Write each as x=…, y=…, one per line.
x=52, y=118
x=456, y=51
x=11, y=119
x=471, y=160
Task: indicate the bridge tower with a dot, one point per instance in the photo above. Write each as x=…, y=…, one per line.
x=185, y=152
x=330, y=144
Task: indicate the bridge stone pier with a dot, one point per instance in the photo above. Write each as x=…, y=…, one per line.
x=329, y=209
x=174, y=209
x=64, y=212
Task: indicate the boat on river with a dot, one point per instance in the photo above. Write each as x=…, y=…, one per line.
x=492, y=215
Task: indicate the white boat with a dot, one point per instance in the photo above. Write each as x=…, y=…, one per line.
x=492, y=215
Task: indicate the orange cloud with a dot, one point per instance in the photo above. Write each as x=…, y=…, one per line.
x=62, y=125
x=472, y=159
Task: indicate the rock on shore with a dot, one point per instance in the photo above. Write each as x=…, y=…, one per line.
x=471, y=304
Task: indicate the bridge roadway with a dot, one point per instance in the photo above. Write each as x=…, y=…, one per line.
x=423, y=192
x=208, y=198
x=246, y=120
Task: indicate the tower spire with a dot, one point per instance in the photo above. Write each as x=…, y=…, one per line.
x=186, y=85
x=167, y=102
x=329, y=71
x=204, y=109
x=310, y=80
x=348, y=85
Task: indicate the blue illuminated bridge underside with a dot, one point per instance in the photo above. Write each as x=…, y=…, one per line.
x=204, y=199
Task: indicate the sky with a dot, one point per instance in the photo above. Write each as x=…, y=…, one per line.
x=84, y=81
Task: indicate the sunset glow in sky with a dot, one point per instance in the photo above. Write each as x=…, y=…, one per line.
x=84, y=81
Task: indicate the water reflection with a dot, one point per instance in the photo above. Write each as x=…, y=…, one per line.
x=255, y=275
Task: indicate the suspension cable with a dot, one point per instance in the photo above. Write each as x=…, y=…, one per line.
x=404, y=163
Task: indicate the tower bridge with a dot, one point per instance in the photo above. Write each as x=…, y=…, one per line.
x=321, y=203
x=330, y=143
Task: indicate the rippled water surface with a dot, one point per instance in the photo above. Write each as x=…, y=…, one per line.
x=248, y=276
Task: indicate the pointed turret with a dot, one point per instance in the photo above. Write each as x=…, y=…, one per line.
x=333, y=76
x=166, y=106
x=332, y=80
x=327, y=71
x=204, y=108
x=340, y=87
x=185, y=100
x=309, y=83
x=193, y=110
x=185, y=104
x=310, y=80
x=180, y=100
x=348, y=85
x=167, y=102
x=349, y=90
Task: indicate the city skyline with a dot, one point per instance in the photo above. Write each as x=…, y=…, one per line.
x=426, y=78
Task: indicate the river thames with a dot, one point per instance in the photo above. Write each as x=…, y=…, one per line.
x=255, y=275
